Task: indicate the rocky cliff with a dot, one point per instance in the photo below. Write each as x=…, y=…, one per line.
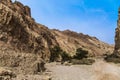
x=69, y=41
x=25, y=43
x=115, y=57
x=117, y=36
x=19, y=30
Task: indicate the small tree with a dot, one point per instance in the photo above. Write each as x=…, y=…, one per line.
x=65, y=56
x=80, y=53
x=55, y=53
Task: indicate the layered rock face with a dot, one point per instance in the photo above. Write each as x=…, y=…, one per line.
x=23, y=42
x=19, y=30
x=117, y=37
x=115, y=57
x=69, y=41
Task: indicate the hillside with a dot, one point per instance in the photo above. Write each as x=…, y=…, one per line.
x=19, y=30
x=24, y=43
x=69, y=41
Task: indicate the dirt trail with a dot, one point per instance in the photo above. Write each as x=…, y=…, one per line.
x=98, y=71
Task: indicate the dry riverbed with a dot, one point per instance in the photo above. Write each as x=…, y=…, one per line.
x=98, y=71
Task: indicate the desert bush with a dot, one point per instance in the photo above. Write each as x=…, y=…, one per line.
x=80, y=54
x=82, y=61
x=112, y=58
x=57, y=52
x=65, y=56
x=115, y=60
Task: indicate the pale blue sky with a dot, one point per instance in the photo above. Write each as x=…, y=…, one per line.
x=94, y=17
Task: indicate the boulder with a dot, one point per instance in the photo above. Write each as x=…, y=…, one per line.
x=5, y=72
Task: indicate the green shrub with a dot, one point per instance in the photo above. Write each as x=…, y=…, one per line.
x=57, y=52
x=80, y=54
x=65, y=56
x=112, y=58
x=82, y=61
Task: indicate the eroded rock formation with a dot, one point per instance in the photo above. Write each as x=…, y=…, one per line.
x=115, y=57
x=18, y=29
x=25, y=43
x=117, y=37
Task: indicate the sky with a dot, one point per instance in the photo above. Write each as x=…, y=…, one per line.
x=93, y=17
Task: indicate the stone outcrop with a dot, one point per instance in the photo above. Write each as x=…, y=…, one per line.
x=18, y=29
x=23, y=42
x=117, y=37
x=115, y=57
x=5, y=72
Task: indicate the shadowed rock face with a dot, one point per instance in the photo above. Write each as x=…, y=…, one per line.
x=18, y=29
x=20, y=35
x=117, y=36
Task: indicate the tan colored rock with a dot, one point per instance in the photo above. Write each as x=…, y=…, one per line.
x=115, y=57
x=4, y=72
x=23, y=41
x=6, y=1
x=19, y=30
x=69, y=41
x=27, y=11
x=117, y=36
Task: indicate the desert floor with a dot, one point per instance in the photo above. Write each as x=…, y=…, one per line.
x=98, y=71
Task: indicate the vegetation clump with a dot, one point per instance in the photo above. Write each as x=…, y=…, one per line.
x=57, y=53
x=81, y=57
x=112, y=58
x=80, y=53
x=83, y=61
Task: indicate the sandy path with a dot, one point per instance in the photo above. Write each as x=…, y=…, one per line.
x=73, y=72
x=98, y=71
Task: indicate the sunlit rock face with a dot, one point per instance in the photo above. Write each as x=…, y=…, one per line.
x=117, y=36
x=18, y=29
x=24, y=43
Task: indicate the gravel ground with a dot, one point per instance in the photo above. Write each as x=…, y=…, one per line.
x=73, y=72
x=98, y=71
x=32, y=77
